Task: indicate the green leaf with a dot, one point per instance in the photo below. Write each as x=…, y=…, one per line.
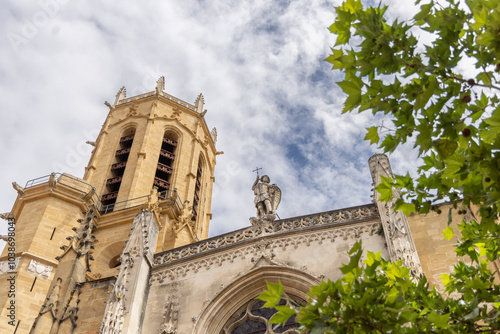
x=445, y=147
x=372, y=135
x=272, y=295
x=353, y=89
x=440, y=320
x=448, y=233
x=407, y=208
x=385, y=189
x=283, y=314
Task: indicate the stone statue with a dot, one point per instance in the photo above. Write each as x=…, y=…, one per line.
x=267, y=199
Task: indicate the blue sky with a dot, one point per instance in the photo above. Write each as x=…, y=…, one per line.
x=259, y=65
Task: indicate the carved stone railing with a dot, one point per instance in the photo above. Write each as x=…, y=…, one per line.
x=178, y=101
x=349, y=215
x=170, y=141
x=123, y=151
x=110, y=196
x=161, y=183
x=119, y=165
x=126, y=139
x=113, y=180
x=167, y=154
x=165, y=95
x=165, y=168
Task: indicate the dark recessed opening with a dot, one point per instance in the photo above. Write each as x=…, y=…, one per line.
x=115, y=262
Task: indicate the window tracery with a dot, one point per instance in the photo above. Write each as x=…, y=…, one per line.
x=253, y=319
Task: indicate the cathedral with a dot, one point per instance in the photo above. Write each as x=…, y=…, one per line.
x=125, y=248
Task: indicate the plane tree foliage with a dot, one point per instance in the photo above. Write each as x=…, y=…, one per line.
x=433, y=81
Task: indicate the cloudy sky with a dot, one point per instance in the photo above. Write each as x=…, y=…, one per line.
x=259, y=65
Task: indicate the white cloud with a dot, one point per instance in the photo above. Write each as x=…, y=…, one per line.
x=259, y=66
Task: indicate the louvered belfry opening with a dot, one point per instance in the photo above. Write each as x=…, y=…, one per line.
x=118, y=168
x=197, y=192
x=165, y=167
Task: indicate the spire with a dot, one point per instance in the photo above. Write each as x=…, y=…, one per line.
x=198, y=104
x=394, y=222
x=128, y=291
x=122, y=93
x=63, y=299
x=160, y=85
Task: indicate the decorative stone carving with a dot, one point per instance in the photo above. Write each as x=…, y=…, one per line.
x=52, y=180
x=110, y=106
x=152, y=203
x=261, y=249
x=267, y=199
x=198, y=104
x=132, y=110
x=93, y=276
x=39, y=269
x=83, y=240
x=122, y=93
x=160, y=85
x=72, y=308
x=213, y=134
x=170, y=315
x=326, y=218
x=6, y=216
x=132, y=278
x=184, y=220
x=9, y=267
x=18, y=188
x=176, y=113
x=62, y=301
x=395, y=224
x=52, y=301
x=88, y=196
x=115, y=305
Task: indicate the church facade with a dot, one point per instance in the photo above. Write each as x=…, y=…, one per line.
x=125, y=249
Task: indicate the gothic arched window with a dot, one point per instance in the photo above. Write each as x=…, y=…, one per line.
x=117, y=170
x=197, y=191
x=165, y=167
x=253, y=319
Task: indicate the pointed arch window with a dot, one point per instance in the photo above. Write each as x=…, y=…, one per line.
x=197, y=191
x=165, y=167
x=253, y=319
x=118, y=169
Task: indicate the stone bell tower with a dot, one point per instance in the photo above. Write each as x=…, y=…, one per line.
x=156, y=151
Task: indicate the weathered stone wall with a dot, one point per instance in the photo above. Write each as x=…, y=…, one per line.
x=191, y=280
x=436, y=254
x=92, y=305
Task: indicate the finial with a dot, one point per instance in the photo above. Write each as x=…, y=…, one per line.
x=199, y=104
x=213, y=134
x=120, y=95
x=160, y=85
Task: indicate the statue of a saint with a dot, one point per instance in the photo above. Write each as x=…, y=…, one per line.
x=267, y=198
